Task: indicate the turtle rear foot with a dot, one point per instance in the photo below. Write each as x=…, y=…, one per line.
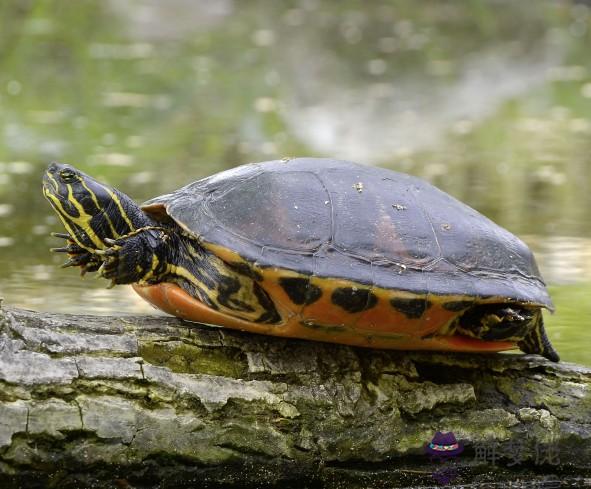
x=498, y=322
x=508, y=322
x=536, y=341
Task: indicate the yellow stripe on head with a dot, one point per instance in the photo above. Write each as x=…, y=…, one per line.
x=90, y=210
x=84, y=220
x=122, y=212
x=96, y=202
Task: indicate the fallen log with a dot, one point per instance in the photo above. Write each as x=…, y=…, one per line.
x=89, y=401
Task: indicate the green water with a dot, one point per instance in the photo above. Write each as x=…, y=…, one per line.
x=491, y=101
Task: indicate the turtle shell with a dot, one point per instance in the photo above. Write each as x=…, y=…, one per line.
x=311, y=219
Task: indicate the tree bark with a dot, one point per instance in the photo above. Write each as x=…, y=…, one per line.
x=149, y=401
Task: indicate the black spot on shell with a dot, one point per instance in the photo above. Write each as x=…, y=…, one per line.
x=353, y=299
x=411, y=308
x=456, y=305
x=300, y=290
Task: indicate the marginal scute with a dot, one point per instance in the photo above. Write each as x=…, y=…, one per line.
x=411, y=308
x=353, y=299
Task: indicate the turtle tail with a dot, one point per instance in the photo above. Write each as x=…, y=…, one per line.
x=536, y=341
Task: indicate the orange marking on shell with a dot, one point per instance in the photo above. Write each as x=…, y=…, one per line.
x=436, y=316
x=383, y=318
x=323, y=311
x=173, y=300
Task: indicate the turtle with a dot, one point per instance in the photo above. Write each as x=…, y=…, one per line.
x=313, y=248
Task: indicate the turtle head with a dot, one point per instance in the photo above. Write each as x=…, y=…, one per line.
x=90, y=210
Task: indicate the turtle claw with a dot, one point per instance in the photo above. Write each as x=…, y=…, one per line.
x=63, y=249
x=114, y=251
x=71, y=262
x=92, y=266
x=111, y=263
x=88, y=261
x=107, y=268
x=100, y=273
x=109, y=251
x=71, y=248
x=114, y=266
x=84, y=260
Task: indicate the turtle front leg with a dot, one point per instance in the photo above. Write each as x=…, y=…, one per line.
x=77, y=256
x=136, y=258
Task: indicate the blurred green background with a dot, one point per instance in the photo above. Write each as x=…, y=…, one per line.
x=490, y=100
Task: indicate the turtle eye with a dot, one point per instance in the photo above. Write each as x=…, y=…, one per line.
x=67, y=175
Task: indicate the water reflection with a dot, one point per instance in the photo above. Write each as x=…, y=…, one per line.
x=565, y=260
x=44, y=288
x=381, y=119
x=491, y=104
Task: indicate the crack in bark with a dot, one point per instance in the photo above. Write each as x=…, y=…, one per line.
x=79, y=414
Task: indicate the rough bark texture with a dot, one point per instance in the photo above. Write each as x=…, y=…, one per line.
x=158, y=402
